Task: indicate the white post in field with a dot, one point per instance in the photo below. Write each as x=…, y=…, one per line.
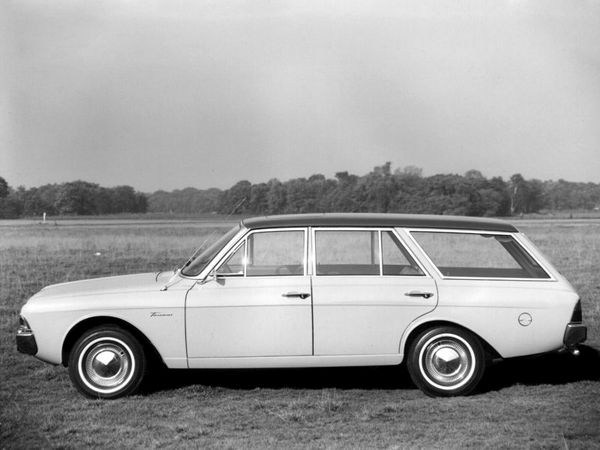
x=44, y=218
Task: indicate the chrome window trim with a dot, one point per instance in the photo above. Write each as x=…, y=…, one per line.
x=380, y=253
x=551, y=277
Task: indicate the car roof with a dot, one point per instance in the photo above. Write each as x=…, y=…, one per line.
x=378, y=220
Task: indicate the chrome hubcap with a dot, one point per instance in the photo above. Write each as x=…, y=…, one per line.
x=447, y=361
x=107, y=365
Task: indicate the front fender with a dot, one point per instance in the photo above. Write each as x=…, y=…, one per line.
x=158, y=315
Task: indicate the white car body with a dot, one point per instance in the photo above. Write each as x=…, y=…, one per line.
x=306, y=319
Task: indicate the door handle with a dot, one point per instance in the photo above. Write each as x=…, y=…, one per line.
x=301, y=295
x=419, y=294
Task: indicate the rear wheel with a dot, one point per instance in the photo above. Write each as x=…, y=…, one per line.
x=107, y=362
x=446, y=361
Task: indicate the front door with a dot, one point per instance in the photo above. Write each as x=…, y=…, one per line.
x=259, y=305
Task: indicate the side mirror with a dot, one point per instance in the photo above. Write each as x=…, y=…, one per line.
x=212, y=276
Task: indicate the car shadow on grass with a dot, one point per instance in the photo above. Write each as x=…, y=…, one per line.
x=553, y=368
x=309, y=378
x=550, y=368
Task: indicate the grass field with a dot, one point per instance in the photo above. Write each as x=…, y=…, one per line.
x=552, y=401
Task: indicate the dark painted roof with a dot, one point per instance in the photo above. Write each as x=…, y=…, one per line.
x=378, y=220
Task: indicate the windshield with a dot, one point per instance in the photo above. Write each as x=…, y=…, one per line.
x=197, y=264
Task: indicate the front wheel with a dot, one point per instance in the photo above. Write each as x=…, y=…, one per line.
x=107, y=362
x=446, y=361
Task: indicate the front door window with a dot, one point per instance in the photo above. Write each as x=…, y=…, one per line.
x=267, y=254
x=275, y=253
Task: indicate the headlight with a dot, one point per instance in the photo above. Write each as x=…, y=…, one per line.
x=24, y=327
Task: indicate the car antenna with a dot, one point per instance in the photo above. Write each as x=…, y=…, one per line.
x=211, y=235
x=189, y=261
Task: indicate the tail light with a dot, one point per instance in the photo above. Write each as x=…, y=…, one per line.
x=577, y=316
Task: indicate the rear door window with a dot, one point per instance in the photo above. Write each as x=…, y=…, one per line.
x=347, y=252
x=362, y=252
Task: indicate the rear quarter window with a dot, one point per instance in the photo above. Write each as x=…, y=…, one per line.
x=478, y=255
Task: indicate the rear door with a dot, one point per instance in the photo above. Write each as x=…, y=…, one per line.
x=367, y=288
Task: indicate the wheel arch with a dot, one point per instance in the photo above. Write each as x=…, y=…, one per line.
x=490, y=351
x=81, y=327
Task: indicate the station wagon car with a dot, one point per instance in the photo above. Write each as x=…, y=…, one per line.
x=445, y=295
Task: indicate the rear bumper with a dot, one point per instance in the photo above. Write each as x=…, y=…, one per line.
x=575, y=334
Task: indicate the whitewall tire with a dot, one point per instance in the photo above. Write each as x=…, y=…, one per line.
x=446, y=361
x=107, y=362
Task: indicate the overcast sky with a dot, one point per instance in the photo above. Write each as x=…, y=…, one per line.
x=169, y=94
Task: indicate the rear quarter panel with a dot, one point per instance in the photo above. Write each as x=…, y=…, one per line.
x=492, y=308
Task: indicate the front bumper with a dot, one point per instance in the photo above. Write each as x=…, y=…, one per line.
x=25, y=338
x=26, y=344
x=575, y=334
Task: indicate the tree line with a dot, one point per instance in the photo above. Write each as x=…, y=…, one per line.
x=403, y=189
x=78, y=198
